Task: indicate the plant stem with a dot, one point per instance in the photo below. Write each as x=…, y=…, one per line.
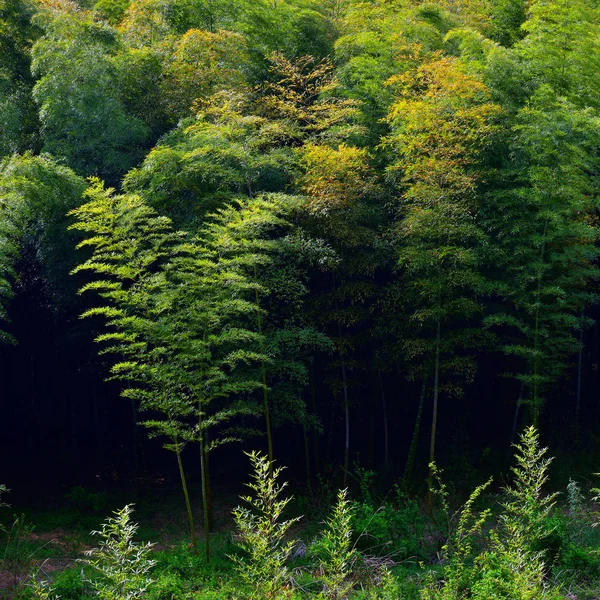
x=263, y=371
x=436, y=379
x=386, y=438
x=188, y=505
x=412, y=453
x=204, y=496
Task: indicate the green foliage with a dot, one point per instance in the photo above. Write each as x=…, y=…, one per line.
x=335, y=547
x=35, y=194
x=122, y=566
x=262, y=534
x=513, y=566
x=394, y=526
x=82, y=116
x=203, y=164
x=18, y=116
x=545, y=241
x=111, y=10
x=18, y=551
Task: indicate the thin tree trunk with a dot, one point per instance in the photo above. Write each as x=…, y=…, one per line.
x=345, y=394
x=307, y=459
x=313, y=393
x=536, y=392
x=330, y=434
x=137, y=453
x=205, y=500
x=579, y=372
x=386, y=437
x=412, y=453
x=513, y=433
x=263, y=371
x=347, y=418
x=186, y=495
x=208, y=484
x=436, y=381
x=372, y=427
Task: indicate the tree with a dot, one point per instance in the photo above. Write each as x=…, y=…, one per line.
x=18, y=115
x=342, y=208
x=257, y=235
x=35, y=195
x=203, y=63
x=561, y=49
x=177, y=317
x=441, y=120
x=77, y=91
x=225, y=152
x=377, y=41
x=545, y=238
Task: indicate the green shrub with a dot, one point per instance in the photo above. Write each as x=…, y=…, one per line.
x=121, y=565
x=336, y=550
x=513, y=566
x=70, y=584
x=396, y=527
x=19, y=550
x=261, y=533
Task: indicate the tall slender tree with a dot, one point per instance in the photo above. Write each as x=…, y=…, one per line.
x=441, y=119
x=176, y=318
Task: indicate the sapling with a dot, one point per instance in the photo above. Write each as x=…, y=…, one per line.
x=514, y=567
x=123, y=566
x=338, y=552
x=262, y=533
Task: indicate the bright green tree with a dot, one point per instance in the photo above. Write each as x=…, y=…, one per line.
x=35, y=195
x=18, y=115
x=226, y=151
x=178, y=317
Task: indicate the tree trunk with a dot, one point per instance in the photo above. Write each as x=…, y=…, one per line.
x=513, y=434
x=386, y=437
x=436, y=381
x=536, y=389
x=372, y=426
x=313, y=393
x=347, y=418
x=263, y=371
x=208, y=484
x=307, y=459
x=412, y=453
x=186, y=495
x=205, y=501
x=579, y=372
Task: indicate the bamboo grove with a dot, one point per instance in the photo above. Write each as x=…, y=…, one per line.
x=312, y=216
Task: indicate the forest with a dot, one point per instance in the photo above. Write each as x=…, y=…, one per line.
x=299, y=299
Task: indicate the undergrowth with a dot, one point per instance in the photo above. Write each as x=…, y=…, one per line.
x=522, y=543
